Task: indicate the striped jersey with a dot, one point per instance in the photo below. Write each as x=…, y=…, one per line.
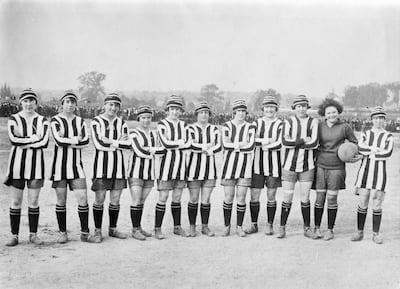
x=67, y=158
x=372, y=171
x=299, y=158
x=26, y=159
x=268, y=162
x=141, y=163
x=237, y=163
x=109, y=159
x=201, y=165
x=171, y=165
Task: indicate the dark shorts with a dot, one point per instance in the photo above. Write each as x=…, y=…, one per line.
x=332, y=180
x=293, y=177
x=20, y=184
x=259, y=181
x=108, y=184
x=77, y=184
x=140, y=183
x=241, y=182
x=200, y=184
x=170, y=185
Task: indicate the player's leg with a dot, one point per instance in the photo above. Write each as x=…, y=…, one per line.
x=163, y=193
x=98, y=209
x=176, y=208
x=136, y=210
x=229, y=194
x=33, y=214
x=288, y=191
x=15, y=213
x=194, y=192
x=271, y=209
x=305, y=188
x=319, y=211
x=148, y=185
x=363, y=200
x=377, y=198
x=205, y=208
x=241, y=206
x=113, y=212
x=254, y=210
x=61, y=211
x=332, y=203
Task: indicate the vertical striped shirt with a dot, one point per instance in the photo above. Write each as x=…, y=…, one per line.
x=70, y=136
x=171, y=165
x=201, y=164
x=299, y=158
x=237, y=163
x=28, y=138
x=141, y=163
x=372, y=172
x=268, y=162
x=109, y=159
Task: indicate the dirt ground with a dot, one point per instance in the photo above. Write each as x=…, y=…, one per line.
x=257, y=261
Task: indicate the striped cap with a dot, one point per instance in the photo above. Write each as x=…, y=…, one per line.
x=144, y=110
x=28, y=93
x=112, y=97
x=300, y=99
x=270, y=100
x=174, y=101
x=239, y=104
x=378, y=111
x=202, y=106
x=69, y=94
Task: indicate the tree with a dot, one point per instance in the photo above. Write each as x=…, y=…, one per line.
x=351, y=96
x=90, y=86
x=213, y=96
x=394, y=89
x=259, y=95
x=5, y=91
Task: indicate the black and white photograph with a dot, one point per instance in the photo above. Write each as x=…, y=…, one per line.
x=199, y=144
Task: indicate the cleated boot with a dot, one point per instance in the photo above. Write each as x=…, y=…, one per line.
x=34, y=239
x=377, y=239
x=227, y=231
x=145, y=233
x=309, y=233
x=241, y=233
x=192, y=231
x=63, y=238
x=158, y=234
x=136, y=234
x=205, y=230
x=281, y=232
x=113, y=232
x=269, y=230
x=318, y=233
x=13, y=241
x=253, y=229
x=87, y=238
x=329, y=235
x=357, y=236
x=178, y=230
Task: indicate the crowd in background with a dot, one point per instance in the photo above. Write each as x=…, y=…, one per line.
x=89, y=112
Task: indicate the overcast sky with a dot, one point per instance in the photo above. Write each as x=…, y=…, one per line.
x=305, y=48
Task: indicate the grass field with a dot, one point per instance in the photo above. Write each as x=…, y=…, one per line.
x=257, y=261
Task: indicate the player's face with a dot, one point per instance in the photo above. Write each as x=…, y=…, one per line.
x=174, y=113
x=203, y=116
x=145, y=121
x=378, y=122
x=111, y=109
x=240, y=114
x=29, y=104
x=69, y=105
x=331, y=114
x=301, y=110
x=270, y=111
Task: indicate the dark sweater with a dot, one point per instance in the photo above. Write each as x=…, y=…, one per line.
x=330, y=138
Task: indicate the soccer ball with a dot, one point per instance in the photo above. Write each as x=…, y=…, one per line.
x=347, y=151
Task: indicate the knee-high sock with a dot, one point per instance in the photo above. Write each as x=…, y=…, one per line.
x=33, y=216
x=159, y=216
x=176, y=213
x=240, y=210
x=361, y=216
x=205, y=213
x=141, y=206
x=98, y=215
x=254, y=211
x=192, y=212
x=332, y=211
x=61, y=212
x=376, y=220
x=113, y=212
x=318, y=212
x=83, y=212
x=135, y=213
x=285, y=211
x=305, y=211
x=15, y=218
x=227, y=214
x=271, y=210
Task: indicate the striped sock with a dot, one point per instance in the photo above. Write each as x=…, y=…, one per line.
x=305, y=211
x=61, y=212
x=15, y=217
x=271, y=210
x=176, y=213
x=376, y=220
x=318, y=212
x=361, y=216
x=240, y=210
x=140, y=206
x=332, y=211
x=227, y=213
x=83, y=212
x=254, y=211
x=285, y=211
x=98, y=215
x=192, y=212
x=205, y=213
x=33, y=216
x=135, y=212
x=113, y=212
x=159, y=216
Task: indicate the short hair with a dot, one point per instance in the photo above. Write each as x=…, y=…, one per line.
x=329, y=102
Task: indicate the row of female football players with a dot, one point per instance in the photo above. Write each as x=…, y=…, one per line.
x=177, y=156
